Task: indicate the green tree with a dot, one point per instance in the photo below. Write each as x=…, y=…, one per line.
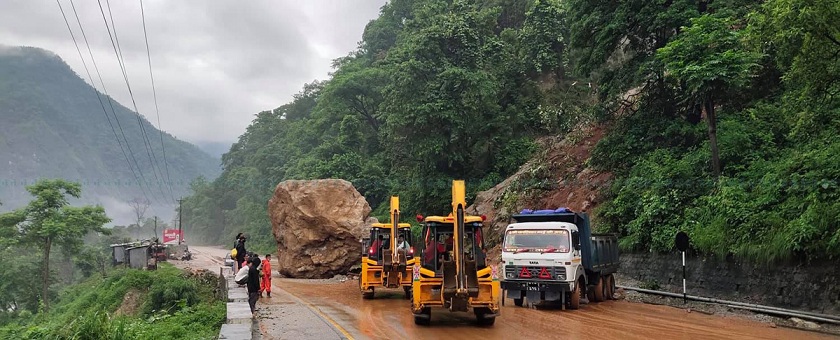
x=544, y=36
x=616, y=40
x=49, y=220
x=803, y=39
x=709, y=60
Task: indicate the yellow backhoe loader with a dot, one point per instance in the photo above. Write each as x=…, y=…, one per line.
x=387, y=255
x=451, y=271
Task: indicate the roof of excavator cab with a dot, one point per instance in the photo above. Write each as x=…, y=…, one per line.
x=451, y=219
x=388, y=225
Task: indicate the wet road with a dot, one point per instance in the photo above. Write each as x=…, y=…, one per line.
x=388, y=317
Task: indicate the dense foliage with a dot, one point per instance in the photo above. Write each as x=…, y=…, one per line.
x=771, y=71
x=167, y=304
x=49, y=222
x=90, y=299
x=723, y=117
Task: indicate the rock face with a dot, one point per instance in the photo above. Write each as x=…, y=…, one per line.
x=317, y=225
x=557, y=177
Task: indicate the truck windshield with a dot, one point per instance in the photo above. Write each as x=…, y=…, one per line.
x=555, y=240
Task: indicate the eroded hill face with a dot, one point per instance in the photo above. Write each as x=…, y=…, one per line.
x=558, y=176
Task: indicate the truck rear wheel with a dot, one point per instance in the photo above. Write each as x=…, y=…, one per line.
x=610, y=287
x=407, y=291
x=599, y=290
x=574, y=297
x=368, y=294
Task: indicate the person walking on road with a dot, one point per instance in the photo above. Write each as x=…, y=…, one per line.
x=265, y=282
x=253, y=284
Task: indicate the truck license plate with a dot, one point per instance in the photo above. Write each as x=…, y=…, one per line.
x=533, y=286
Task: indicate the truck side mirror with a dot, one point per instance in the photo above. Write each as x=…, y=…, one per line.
x=576, y=240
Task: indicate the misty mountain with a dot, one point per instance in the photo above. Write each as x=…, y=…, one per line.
x=52, y=125
x=215, y=149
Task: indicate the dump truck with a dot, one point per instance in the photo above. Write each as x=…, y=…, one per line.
x=384, y=265
x=552, y=256
x=452, y=270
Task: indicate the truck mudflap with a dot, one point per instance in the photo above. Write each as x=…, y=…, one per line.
x=536, y=286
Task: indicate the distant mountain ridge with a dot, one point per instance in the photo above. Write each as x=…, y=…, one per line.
x=52, y=126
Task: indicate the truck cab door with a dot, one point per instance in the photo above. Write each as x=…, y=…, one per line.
x=576, y=243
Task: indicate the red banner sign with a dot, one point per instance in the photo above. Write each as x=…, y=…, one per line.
x=171, y=236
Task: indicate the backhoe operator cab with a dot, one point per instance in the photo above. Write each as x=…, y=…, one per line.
x=452, y=271
x=385, y=264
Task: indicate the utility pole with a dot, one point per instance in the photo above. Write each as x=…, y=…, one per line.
x=180, y=221
x=155, y=226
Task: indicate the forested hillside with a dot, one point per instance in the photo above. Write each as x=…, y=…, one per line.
x=723, y=117
x=53, y=126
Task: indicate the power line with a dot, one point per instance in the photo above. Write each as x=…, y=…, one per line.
x=154, y=92
x=93, y=88
x=118, y=54
x=110, y=102
x=147, y=143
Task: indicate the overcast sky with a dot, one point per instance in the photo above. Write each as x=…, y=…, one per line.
x=216, y=62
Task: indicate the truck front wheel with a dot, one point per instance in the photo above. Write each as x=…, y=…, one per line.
x=518, y=302
x=574, y=297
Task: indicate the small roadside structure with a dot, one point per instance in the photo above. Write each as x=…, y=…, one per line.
x=118, y=253
x=139, y=258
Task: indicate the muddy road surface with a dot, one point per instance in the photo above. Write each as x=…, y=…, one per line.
x=388, y=316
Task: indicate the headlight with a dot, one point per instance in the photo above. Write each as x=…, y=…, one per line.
x=561, y=277
x=509, y=275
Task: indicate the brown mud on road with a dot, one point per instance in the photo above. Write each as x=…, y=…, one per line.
x=340, y=312
x=209, y=258
x=388, y=316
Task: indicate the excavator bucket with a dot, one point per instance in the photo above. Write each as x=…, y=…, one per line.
x=401, y=261
x=449, y=279
x=472, y=278
x=387, y=257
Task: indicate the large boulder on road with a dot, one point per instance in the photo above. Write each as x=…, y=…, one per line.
x=317, y=225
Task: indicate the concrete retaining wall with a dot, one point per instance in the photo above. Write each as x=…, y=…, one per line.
x=239, y=322
x=812, y=287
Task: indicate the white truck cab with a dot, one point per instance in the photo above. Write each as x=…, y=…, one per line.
x=544, y=259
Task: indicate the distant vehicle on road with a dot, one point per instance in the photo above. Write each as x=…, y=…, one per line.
x=552, y=255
